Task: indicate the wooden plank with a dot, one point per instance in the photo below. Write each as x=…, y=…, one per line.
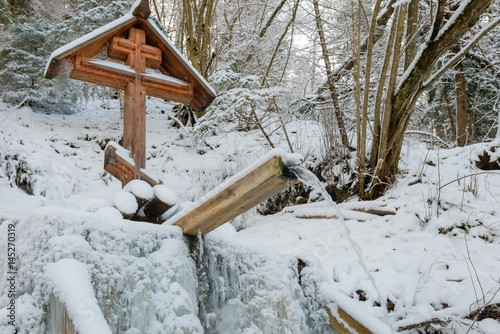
x=120, y=48
x=59, y=321
x=354, y=326
x=263, y=182
x=122, y=167
x=95, y=75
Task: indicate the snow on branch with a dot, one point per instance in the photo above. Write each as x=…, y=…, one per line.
x=432, y=79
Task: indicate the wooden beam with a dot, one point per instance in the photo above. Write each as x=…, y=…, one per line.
x=88, y=46
x=59, y=321
x=102, y=73
x=175, y=65
x=265, y=181
x=121, y=166
x=119, y=48
x=338, y=323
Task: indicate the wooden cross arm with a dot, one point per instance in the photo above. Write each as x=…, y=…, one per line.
x=255, y=187
x=120, y=48
x=119, y=76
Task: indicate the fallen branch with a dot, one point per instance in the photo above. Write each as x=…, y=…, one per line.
x=19, y=105
x=176, y=120
x=463, y=177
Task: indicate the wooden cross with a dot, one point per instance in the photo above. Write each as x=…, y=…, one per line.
x=136, y=82
x=135, y=40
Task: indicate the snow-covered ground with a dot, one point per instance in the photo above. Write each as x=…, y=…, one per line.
x=433, y=258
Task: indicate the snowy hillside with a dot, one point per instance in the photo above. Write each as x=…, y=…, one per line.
x=423, y=258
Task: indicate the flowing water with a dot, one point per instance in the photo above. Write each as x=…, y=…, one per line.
x=308, y=178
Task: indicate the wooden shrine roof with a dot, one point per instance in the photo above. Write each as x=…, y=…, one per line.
x=173, y=64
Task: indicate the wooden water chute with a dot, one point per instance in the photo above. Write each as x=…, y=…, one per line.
x=235, y=196
x=258, y=182
x=135, y=40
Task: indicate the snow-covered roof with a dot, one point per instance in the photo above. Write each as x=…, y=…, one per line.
x=96, y=42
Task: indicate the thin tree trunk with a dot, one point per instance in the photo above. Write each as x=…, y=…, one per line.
x=449, y=110
x=271, y=18
x=190, y=34
x=362, y=141
x=198, y=33
x=329, y=74
x=387, y=115
x=276, y=49
x=411, y=31
x=461, y=94
x=438, y=20
x=355, y=42
x=382, y=21
x=378, y=99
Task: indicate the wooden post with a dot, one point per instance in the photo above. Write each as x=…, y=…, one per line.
x=59, y=322
x=154, y=209
x=221, y=206
x=134, y=126
x=125, y=40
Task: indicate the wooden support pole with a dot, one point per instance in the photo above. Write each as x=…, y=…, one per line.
x=219, y=207
x=164, y=199
x=154, y=209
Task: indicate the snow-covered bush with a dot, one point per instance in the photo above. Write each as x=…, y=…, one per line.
x=31, y=168
x=240, y=106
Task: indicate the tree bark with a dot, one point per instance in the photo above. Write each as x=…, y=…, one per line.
x=377, y=123
x=451, y=116
x=197, y=24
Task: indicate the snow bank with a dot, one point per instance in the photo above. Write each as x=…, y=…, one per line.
x=33, y=168
x=433, y=255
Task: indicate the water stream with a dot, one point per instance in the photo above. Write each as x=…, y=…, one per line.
x=308, y=178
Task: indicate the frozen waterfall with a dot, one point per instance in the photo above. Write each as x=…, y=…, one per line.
x=119, y=276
